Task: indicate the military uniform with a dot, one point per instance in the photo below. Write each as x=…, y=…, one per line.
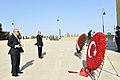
x=117, y=37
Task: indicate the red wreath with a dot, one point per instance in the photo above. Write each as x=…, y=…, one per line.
x=94, y=59
x=81, y=41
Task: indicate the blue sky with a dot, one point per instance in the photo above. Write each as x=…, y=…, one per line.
x=76, y=16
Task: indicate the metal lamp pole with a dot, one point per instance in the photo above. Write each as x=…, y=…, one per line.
x=103, y=14
x=59, y=30
x=13, y=23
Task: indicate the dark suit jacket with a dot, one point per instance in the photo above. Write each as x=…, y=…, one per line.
x=39, y=40
x=12, y=41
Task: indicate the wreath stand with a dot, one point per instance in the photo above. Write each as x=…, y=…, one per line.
x=94, y=75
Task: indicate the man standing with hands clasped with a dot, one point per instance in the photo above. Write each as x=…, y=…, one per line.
x=39, y=44
x=15, y=50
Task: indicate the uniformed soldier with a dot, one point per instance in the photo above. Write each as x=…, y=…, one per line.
x=117, y=37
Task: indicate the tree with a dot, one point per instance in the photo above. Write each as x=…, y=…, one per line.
x=3, y=34
x=0, y=27
x=33, y=37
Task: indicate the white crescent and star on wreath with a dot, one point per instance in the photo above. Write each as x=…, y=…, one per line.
x=95, y=51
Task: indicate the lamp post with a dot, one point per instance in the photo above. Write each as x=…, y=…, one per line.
x=13, y=23
x=103, y=14
x=59, y=30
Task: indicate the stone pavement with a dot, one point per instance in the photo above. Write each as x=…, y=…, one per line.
x=58, y=59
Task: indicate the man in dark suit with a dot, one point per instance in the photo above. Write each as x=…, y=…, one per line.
x=15, y=50
x=39, y=44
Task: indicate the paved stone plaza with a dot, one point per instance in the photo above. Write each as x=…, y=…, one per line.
x=58, y=59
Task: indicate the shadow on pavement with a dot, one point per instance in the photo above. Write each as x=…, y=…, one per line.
x=29, y=63
x=43, y=54
x=84, y=63
x=78, y=54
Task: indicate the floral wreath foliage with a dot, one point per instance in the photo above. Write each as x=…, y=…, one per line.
x=81, y=41
x=95, y=51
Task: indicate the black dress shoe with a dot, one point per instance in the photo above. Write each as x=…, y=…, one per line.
x=20, y=72
x=41, y=57
x=15, y=75
x=117, y=51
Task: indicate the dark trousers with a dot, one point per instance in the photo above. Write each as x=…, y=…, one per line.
x=118, y=48
x=118, y=43
x=15, y=62
x=40, y=52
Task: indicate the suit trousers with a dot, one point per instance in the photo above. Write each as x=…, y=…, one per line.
x=40, y=52
x=15, y=62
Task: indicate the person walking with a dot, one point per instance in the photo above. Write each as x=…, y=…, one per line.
x=15, y=50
